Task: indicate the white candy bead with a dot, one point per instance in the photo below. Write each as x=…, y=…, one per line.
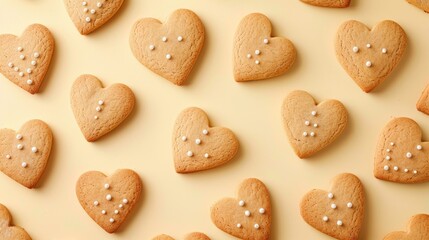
x=125, y=201
x=33, y=63
x=339, y=223
x=92, y=11
x=384, y=50
x=116, y=212
x=313, y=113
x=266, y=41
x=419, y=147
x=312, y=134
x=333, y=206
x=315, y=125
x=305, y=134
x=36, y=55
x=21, y=74
x=24, y=164
x=103, y=212
x=22, y=56
x=98, y=109
x=112, y=220
x=184, y=138
x=325, y=218
x=95, y=117
x=96, y=203
x=88, y=19
x=386, y=168
x=256, y=226
x=106, y=186
x=8, y=156
x=164, y=39
x=409, y=155
x=395, y=168
x=406, y=170
x=20, y=49
x=349, y=205
x=415, y=171
x=10, y=65
x=257, y=62
x=34, y=149
x=100, y=102
x=368, y=63
x=261, y=210
x=330, y=195
x=121, y=206
x=392, y=143
x=18, y=136
x=205, y=132
x=247, y=213
x=206, y=155
x=20, y=146
x=241, y=203
x=249, y=55
x=198, y=141
x=257, y=52
x=108, y=197
x=84, y=3
x=99, y=4
x=151, y=47
x=355, y=49
x=387, y=158
x=368, y=45
x=190, y=154
x=168, y=56
x=238, y=225
x=179, y=38
x=16, y=69
x=307, y=123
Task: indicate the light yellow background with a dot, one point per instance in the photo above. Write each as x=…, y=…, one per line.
x=178, y=204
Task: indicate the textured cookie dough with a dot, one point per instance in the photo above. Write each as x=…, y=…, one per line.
x=328, y=3
x=109, y=200
x=25, y=60
x=7, y=231
x=257, y=55
x=197, y=146
x=311, y=127
x=423, y=102
x=422, y=4
x=338, y=212
x=24, y=154
x=191, y=236
x=169, y=49
x=370, y=55
x=401, y=156
x=99, y=110
x=88, y=15
x=418, y=229
x=247, y=217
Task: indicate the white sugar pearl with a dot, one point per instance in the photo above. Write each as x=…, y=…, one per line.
x=256, y=226
x=307, y=123
x=315, y=125
x=16, y=69
x=325, y=218
x=20, y=146
x=241, y=203
x=368, y=45
x=96, y=203
x=415, y=171
x=257, y=62
x=108, y=197
x=34, y=149
x=386, y=168
x=88, y=19
x=36, y=55
x=419, y=147
x=387, y=158
x=125, y=201
x=95, y=117
x=305, y=134
x=10, y=65
x=395, y=168
x=257, y=52
x=103, y=212
x=99, y=4
x=106, y=186
x=205, y=132
x=164, y=39
x=409, y=155
x=368, y=63
x=8, y=156
x=333, y=206
x=92, y=11
x=330, y=195
x=206, y=155
x=249, y=55
x=355, y=49
x=198, y=141
x=151, y=47
x=247, y=213
x=238, y=225
x=266, y=41
x=33, y=63
x=190, y=154
x=179, y=38
x=29, y=70
x=100, y=102
x=112, y=220
x=339, y=223
x=384, y=50
x=313, y=113
x=116, y=212
x=349, y=205
x=261, y=210
x=18, y=136
x=24, y=164
x=21, y=74
x=392, y=143
x=98, y=109
x=22, y=56
x=85, y=10
x=20, y=49
x=312, y=134
x=121, y=206
x=387, y=150
x=406, y=170
x=184, y=138
x=168, y=56
x=84, y=3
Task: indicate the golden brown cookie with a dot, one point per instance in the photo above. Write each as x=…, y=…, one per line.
x=401, y=156
x=7, y=231
x=339, y=212
x=249, y=216
x=99, y=110
x=370, y=55
x=88, y=15
x=309, y=126
x=25, y=60
x=257, y=55
x=197, y=146
x=191, y=236
x=423, y=102
x=418, y=229
x=24, y=154
x=422, y=4
x=328, y=3
x=169, y=49
x=109, y=200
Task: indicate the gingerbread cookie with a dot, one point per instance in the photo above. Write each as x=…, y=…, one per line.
x=169, y=49
x=191, y=236
x=88, y=15
x=311, y=127
x=109, y=200
x=328, y=3
x=257, y=55
x=339, y=212
x=422, y=4
x=99, y=110
x=401, y=156
x=7, y=231
x=24, y=154
x=197, y=146
x=423, y=102
x=418, y=229
x=249, y=216
x=25, y=60
x=370, y=55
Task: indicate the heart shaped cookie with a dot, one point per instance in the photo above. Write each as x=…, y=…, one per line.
x=311, y=127
x=88, y=15
x=370, y=55
x=418, y=229
x=328, y=3
x=249, y=216
x=197, y=146
x=99, y=110
x=170, y=49
x=191, y=236
x=257, y=55
x=401, y=156
x=7, y=231
x=338, y=213
x=109, y=200
x=25, y=60
x=422, y=4
x=24, y=154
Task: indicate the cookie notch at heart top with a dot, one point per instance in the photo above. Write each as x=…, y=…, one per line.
x=328, y=3
x=338, y=213
x=109, y=200
x=370, y=56
x=25, y=60
x=7, y=230
x=170, y=49
x=311, y=127
x=24, y=154
x=99, y=110
x=257, y=55
x=197, y=146
x=418, y=228
x=89, y=15
x=248, y=216
x=401, y=156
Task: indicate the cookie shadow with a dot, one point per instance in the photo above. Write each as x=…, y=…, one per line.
x=51, y=163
